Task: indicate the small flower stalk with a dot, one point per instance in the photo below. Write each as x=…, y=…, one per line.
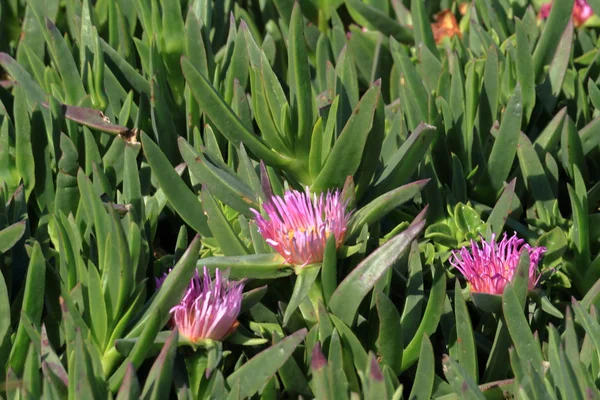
x=209, y=308
x=489, y=266
x=298, y=225
x=581, y=12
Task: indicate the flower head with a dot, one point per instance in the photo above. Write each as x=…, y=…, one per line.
x=298, y=226
x=581, y=11
x=209, y=309
x=445, y=25
x=489, y=266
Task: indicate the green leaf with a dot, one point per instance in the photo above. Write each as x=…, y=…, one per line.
x=358, y=353
x=349, y=294
x=346, y=154
x=169, y=294
x=525, y=344
x=179, y=195
x=97, y=306
x=502, y=209
x=322, y=384
x=33, y=92
x=557, y=22
x=378, y=208
x=23, y=146
x=381, y=21
x=579, y=236
x=505, y=146
x=300, y=81
x=431, y=317
x=222, y=182
x=82, y=382
x=159, y=380
x=414, y=297
x=10, y=235
x=571, y=153
x=304, y=282
x=61, y=55
x=5, y=323
x=467, y=351
x=412, y=82
x=422, y=26
x=32, y=384
x=139, y=351
x=33, y=304
x=293, y=378
x=462, y=384
x=259, y=369
x=589, y=140
x=229, y=241
x=258, y=266
x=405, y=161
x=423, y=384
x=525, y=73
x=225, y=119
x=390, y=341
x=535, y=178
x=134, y=78
x=130, y=387
x=329, y=269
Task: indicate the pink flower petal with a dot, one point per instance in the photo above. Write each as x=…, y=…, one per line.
x=488, y=266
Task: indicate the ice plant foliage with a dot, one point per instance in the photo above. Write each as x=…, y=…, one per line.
x=581, y=12
x=488, y=266
x=298, y=225
x=209, y=308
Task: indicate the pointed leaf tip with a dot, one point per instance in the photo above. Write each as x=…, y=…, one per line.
x=375, y=370
x=318, y=360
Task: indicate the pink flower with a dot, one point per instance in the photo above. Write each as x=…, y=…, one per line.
x=209, y=309
x=298, y=227
x=581, y=12
x=488, y=266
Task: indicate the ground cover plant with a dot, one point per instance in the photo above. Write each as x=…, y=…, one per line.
x=322, y=199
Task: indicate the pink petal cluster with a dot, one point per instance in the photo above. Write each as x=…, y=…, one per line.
x=581, y=11
x=298, y=226
x=209, y=309
x=488, y=266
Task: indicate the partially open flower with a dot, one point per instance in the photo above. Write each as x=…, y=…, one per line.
x=445, y=25
x=581, y=12
x=489, y=266
x=209, y=309
x=298, y=226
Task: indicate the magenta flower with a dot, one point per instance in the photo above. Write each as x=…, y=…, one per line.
x=209, y=309
x=489, y=266
x=298, y=227
x=581, y=12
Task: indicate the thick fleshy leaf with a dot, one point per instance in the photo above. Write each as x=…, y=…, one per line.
x=258, y=266
x=384, y=204
x=424, y=376
x=349, y=294
x=257, y=371
x=346, y=154
x=33, y=304
x=10, y=235
x=467, y=351
x=523, y=339
x=179, y=195
x=159, y=379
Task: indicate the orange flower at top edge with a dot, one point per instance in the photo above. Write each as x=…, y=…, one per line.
x=462, y=8
x=445, y=25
